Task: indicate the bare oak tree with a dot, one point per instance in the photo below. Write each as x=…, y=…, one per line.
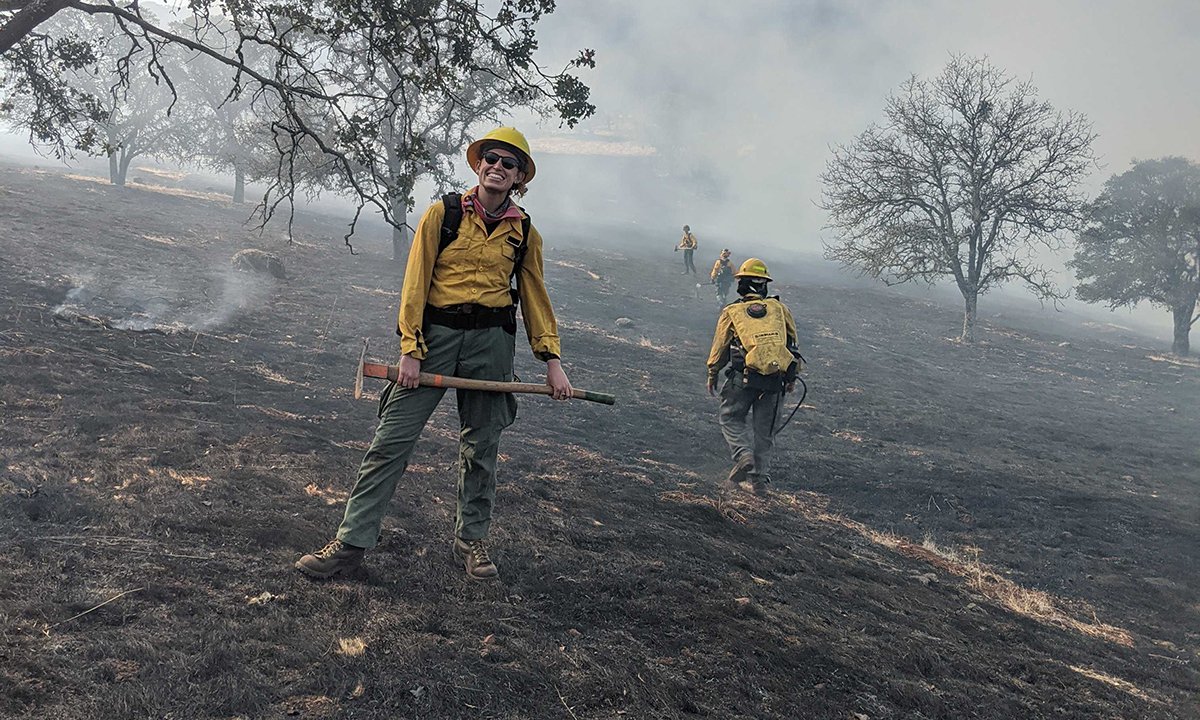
x=439, y=46
x=121, y=123
x=1142, y=242
x=412, y=133
x=968, y=177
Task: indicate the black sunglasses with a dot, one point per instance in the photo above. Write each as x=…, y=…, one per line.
x=508, y=163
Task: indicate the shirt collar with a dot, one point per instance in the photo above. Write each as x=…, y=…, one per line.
x=471, y=203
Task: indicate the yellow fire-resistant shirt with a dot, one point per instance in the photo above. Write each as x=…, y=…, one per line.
x=717, y=266
x=474, y=269
x=719, y=355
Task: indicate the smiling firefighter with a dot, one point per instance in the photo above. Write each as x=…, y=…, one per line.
x=756, y=338
x=474, y=257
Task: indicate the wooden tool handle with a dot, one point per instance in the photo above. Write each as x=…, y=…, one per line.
x=392, y=372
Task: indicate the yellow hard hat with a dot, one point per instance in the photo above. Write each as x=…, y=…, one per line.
x=754, y=268
x=509, y=136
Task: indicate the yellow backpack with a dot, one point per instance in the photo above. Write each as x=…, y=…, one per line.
x=762, y=331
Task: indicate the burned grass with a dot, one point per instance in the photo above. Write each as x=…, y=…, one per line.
x=1001, y=530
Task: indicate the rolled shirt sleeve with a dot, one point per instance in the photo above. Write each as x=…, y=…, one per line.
x=418, y=274
x=719, y=355
x=540, y=323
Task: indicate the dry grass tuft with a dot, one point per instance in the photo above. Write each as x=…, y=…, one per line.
x=328, y=495
x=188, y=479
x=1035, y=604
x=279, y=414
x=1115, y=682
x=351, y=647
x=576, y=266
x=375, y=291
x=646, y=342
x=265, y=372
x=1178, y=360
x=160, y=173
x=362, y=445
x=738, y=507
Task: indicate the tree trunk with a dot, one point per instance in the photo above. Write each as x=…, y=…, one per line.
x=400, y=236
x=114, y=168
x=123, y=171
x=969, y=313
x=1183, y=326
x=239, y=185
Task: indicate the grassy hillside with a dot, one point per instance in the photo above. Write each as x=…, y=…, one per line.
x=1004, y=530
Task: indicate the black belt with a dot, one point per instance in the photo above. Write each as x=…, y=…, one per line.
x=469, y=316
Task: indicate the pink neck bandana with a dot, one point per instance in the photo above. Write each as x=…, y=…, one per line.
x=508, y=211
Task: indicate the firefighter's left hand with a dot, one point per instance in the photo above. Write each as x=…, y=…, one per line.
x=556, y=378
x=790, y=386
x=712, y=387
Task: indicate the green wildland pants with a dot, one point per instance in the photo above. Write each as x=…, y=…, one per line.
x=482, y=354
x=755, y=438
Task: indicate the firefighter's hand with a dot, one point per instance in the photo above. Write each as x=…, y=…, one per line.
x=712, y=386
x=556, y=378
x=410, y=372
x=790, y=387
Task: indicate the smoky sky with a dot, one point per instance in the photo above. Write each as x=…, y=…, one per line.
x=742, y=101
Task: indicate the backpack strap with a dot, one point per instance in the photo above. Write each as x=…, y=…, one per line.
x=514, y=278
x=452, y=202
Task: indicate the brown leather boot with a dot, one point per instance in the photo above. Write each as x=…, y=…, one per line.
x=760, y=485
x=740, y=472
x=475, y=560
x=335, y=558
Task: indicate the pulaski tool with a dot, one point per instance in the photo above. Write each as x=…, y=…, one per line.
x=392, y=372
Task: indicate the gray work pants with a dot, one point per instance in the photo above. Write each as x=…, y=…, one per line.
x=753, y=436
x=483, y=354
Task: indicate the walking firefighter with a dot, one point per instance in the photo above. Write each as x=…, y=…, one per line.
x=474, y=257
x=722, y=276
x=756, y=340
x=688, y=245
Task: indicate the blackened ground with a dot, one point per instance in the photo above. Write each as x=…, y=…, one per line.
x=1001, y=530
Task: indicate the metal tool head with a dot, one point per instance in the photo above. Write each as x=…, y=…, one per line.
x=358, y=372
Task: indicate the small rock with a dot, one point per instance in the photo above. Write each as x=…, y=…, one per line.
x=259, y=261
x=623, y=322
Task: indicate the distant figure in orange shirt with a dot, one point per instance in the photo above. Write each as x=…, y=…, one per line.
x=458, y=317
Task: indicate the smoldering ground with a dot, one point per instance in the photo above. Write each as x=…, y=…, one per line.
x=998, y=530
x=165, y=301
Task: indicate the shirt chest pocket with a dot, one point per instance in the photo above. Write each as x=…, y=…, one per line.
x=510, y=250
